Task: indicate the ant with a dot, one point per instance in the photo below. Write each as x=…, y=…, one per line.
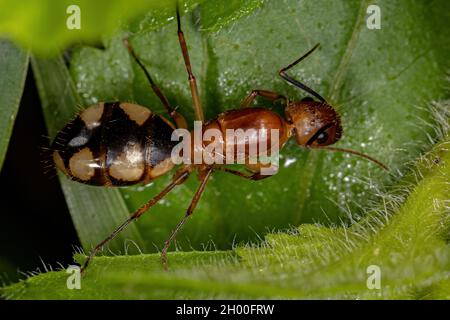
x=120, y=144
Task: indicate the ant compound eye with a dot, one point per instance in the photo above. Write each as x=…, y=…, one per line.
x=322, y=138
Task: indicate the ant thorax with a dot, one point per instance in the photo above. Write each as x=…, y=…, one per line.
x=242, y=136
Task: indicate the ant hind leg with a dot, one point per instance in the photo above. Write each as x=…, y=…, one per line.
x=187, y=62
x=179, y=178
x=176, y=117
x=188, y=213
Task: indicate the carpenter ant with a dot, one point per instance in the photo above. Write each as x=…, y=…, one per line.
x=119, y=144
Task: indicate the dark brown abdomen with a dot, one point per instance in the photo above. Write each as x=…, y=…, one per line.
x=114, y=144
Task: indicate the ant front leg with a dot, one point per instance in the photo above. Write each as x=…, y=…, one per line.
x=270, y=95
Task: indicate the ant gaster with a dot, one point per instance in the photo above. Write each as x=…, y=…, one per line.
x=119, y=144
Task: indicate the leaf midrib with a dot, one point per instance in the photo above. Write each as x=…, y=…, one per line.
x=312, y=158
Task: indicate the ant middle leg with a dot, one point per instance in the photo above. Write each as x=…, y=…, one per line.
x=176, y=117
x=270, y=95
x=187, y=62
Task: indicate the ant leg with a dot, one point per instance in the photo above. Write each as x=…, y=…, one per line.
x=178, y=118
x=179, y=178
x=188, y=213
x=255, y=176
x=192, y=82
x=296, y=83
x=270, y=95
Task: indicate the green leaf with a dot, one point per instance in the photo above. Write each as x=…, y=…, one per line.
x=42, y=25
x=407, y=238
x=13, y=66
x=219, y=13
x=380, y=89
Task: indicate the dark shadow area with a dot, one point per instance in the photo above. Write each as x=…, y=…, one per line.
x=35, y=222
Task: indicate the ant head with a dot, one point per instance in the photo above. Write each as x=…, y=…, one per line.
x=315, y=124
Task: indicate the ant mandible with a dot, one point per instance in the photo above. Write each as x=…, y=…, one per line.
x=119, y=144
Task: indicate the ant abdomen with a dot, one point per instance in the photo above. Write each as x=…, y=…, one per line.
x=114, y=144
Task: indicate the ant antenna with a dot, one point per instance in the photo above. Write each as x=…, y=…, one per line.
x=177, y=8
x=297, y=83
x=377, y=162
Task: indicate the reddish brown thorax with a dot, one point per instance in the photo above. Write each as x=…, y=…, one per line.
x=246, y=119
